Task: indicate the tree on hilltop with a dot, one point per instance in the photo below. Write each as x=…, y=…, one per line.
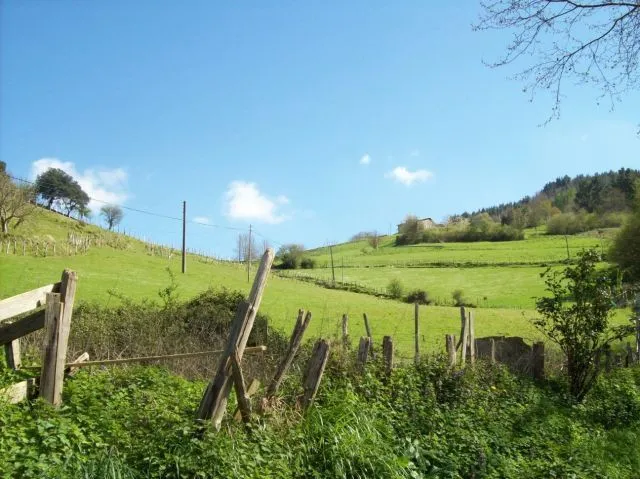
x=55, y=185
x=112, y=215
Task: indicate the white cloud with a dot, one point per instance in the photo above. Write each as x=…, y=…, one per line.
x=406, y=177
x=106, y=185
x=245, y=202
x=365, y=160
x=202, y=220
x=414, y=153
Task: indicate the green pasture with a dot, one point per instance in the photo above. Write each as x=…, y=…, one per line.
x=536, y=249
x=486, y=287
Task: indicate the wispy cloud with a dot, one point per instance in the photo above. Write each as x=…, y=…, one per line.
x=202, y=220
x=104, y=184
x=244, y=201
x=365, y=160
x=402, y=175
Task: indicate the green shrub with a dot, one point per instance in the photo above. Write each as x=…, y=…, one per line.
x=458, y=298
x=308, y=263
x=395, y=288
x=419, y=296
x=615, y=400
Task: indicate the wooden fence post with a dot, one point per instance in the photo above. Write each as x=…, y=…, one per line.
x=464, y=341
x=363, y=351
x=451, y=349
x=472, y=337
x=315, y=370
x=345, y=331
x=416, y=317
x=214, y=401
x=12, y=353
x=294, y=344
x=241, y=394
x=387, y=354
x=58, y=312
x=367, y=328
x=463, y=325
x=538, y=360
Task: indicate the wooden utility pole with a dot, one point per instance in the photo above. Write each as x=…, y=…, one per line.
x=333, y=272
x=249, y=256
x=184, y=237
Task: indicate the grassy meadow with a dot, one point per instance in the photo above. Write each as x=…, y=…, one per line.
x=133, y=272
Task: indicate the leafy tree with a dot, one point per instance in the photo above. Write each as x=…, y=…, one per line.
x=411, y=229
x=290, y=255
x=112, y=215
x=593, y=41
x=589, y=194
x=625, y=250
x=15, y=202
x=56, y=185
x=576, y=317
x=395, y=288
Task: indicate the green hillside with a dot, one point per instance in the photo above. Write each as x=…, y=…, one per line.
x=131, y=270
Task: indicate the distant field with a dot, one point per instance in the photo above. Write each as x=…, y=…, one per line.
x=536, y=249
x=138, y=275
x=491, y=286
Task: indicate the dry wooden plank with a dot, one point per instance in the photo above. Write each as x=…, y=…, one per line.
x=25, y=302
x=12, y=331
x=72, y=370
x=294, y=345
x=53, y=315
x=214, y=400
x=315, y=370
x=451, y=349
x=12, y=354
x=241, y=394
x=141, y=359
x=17, y=392
x=251, y=390
x=387, y=354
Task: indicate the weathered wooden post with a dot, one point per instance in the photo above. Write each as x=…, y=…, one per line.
x=345, y=331
x=363, y=351
x=244, y=404
x=58, y=312
x=472, y=337
x=538, y=360
x=463, y=325
x=451, y=349
x=464, y=342
x=416, y=316
x=387, y=354
x=214, y=401
x=294, y=344
x=367, y=328
x=315, y=370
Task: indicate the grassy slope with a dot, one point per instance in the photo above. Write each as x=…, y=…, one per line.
x=138, y=275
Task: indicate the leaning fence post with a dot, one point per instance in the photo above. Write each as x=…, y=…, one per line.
x=294, y=344
x=387, y=354
x=214, y=400
x=538, y=360
x=315, y=370
x=464, y=341
x=463, y=325
x=367, y=327
x=241, y=395
x=416, y=317
x=451, y=349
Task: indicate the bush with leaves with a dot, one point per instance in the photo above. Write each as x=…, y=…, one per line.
x=576, y=316
x=395, y=288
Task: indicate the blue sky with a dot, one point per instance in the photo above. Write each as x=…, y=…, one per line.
x=262, y=113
